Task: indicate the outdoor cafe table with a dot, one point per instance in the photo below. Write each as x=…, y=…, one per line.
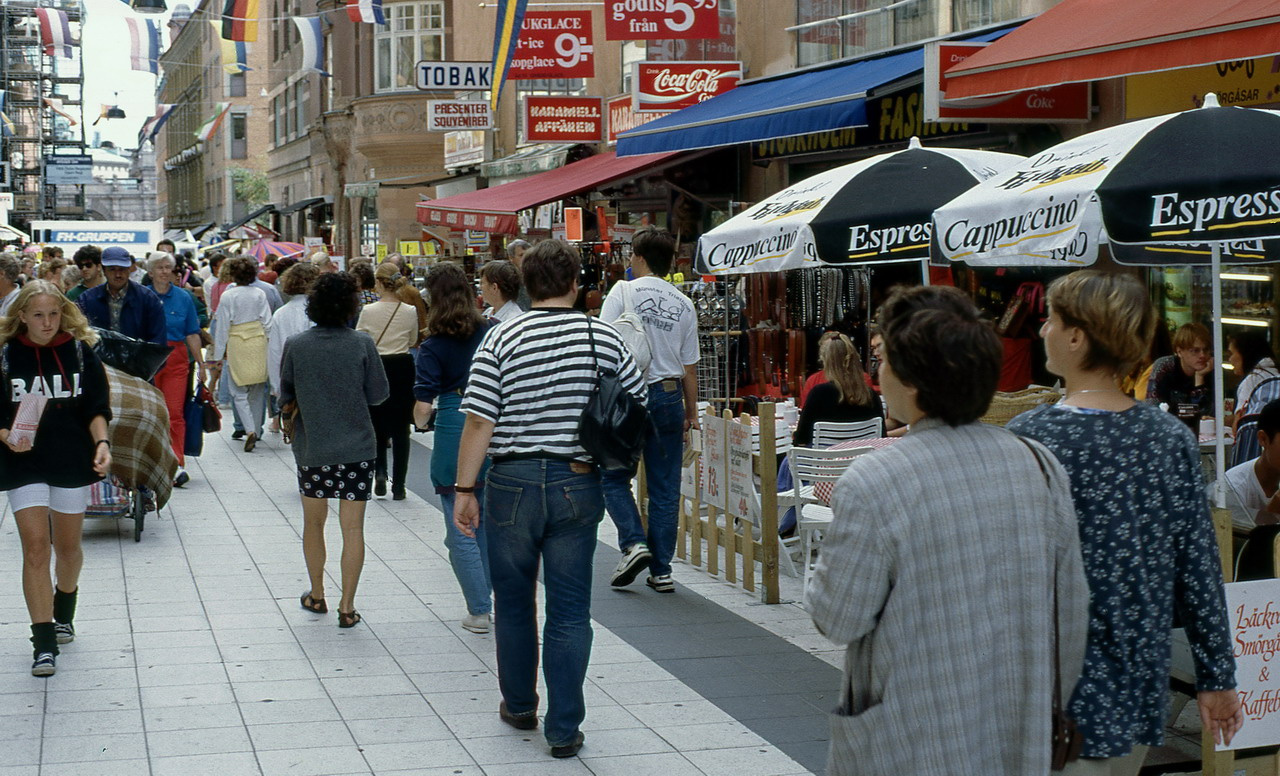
x=822, y=490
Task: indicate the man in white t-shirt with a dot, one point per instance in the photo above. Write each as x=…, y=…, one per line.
x=671, y=327
x=1252, y=486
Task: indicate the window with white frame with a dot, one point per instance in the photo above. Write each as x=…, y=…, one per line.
x=414, y=32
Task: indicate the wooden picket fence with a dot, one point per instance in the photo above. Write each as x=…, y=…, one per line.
x=728, y=525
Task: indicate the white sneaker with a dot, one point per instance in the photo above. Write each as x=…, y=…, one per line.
x=636, y=557
x=477, y=623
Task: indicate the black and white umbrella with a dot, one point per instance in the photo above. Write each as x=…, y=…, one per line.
x=875, y=210
x=1184, y=188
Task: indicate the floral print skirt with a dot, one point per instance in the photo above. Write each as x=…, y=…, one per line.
x=347, y=481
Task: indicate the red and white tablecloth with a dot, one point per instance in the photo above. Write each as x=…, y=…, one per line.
x=822, y=490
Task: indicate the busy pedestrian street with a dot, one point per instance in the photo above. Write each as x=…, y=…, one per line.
x=192, y=655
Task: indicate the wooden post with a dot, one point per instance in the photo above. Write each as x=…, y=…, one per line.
x=729, y=534
x=1212, y=762
x=769, y=503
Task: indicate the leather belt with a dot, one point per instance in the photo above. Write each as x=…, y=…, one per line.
x=671, y=384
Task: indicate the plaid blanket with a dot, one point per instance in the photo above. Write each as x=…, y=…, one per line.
x=141, y=455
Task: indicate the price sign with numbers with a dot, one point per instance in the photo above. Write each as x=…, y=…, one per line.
x=554, y=44
x=661, y=19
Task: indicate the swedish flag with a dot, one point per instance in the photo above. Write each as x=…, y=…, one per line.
x=505, y=33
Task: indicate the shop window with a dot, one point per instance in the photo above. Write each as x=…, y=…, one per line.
x=236, y=85
x=632, y=51
x=722, y=48
x=414, y=33
x=832, y=38
x=302, y=95
x=369, y=230
x=970, y=14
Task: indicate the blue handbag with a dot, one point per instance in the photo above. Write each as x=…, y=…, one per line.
x=193, y=413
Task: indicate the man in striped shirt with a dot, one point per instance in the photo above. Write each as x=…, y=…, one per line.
x=530, y=382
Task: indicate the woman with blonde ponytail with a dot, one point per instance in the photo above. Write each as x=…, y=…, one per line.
x=394, y=328
x=844, y=398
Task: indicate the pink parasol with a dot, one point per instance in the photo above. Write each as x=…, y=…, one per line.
x=264, y=248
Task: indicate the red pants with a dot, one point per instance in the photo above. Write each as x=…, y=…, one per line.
x=173, y=380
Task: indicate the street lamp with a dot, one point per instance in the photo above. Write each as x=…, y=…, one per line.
x=148, y=6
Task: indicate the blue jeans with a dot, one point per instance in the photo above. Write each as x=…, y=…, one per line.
x=539, y=512
x=469, y=559
x=663, y=454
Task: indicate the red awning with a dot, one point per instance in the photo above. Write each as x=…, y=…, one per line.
x=495, y=209
x=1089, y=40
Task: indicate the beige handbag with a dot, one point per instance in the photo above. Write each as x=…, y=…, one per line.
x=247, y=353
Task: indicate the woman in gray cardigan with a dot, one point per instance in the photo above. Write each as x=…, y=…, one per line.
x=333, y=374
x=941, y=571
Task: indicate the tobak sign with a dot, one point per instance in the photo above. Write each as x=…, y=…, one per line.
x=1057, y=104
x=454, y=115
x=623, y=118
x=669, y=86
x=554, y=44
x=661, y=19
x=563, y=119
x=453, y=76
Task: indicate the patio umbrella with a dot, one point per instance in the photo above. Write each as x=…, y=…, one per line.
x=264, y=248
x=1177, y=189
x=872, y=211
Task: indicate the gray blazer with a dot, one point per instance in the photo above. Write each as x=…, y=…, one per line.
x=939, y=574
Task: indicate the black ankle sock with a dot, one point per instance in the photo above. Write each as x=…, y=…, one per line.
x=43, y=638
x=64, y=605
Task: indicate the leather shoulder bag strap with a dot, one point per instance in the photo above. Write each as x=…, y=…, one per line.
x=391, y=318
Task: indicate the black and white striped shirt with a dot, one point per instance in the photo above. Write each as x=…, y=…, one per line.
x=532, y=378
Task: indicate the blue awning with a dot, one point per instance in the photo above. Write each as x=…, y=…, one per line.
x=797, y=104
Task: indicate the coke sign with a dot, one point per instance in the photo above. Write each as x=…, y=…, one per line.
x=1056, y=104
x=661, y=19
x=668, y=86
x=554, y=44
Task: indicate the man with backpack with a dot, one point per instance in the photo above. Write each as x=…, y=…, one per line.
x=659, y=325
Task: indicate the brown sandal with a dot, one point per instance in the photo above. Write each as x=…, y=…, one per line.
x=316, y=605
x=348, y=619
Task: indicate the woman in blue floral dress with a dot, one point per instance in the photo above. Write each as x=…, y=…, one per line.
x=1146, y=534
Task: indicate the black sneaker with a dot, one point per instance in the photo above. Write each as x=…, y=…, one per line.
x=182, y=479
x=44, y=665
x=527, y=721
x=379, y=486
x=238, y=435
x=65, y=631
x=635, y=558
x=570, y=749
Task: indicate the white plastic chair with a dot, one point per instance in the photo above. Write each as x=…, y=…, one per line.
x=811, y=466
x=827, y=433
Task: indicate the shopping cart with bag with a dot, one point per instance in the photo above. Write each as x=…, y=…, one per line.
x=109, y=498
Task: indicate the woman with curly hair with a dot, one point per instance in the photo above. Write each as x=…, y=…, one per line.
x=45, y=350
x=332, y=375
x=455, y=329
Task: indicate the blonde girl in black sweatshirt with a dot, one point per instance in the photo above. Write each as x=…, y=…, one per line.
x=46, y=348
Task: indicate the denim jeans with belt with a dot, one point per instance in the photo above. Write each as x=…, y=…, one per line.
x=540, y=512
x=663, y=454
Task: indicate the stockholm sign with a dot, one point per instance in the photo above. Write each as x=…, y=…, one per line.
x=433, y=76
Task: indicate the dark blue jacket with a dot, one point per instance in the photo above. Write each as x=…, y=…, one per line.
x=141, y=318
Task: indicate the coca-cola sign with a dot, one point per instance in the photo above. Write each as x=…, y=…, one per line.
x=668, y=86
x=661, y=19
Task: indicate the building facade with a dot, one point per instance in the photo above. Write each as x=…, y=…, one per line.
x=211, y=181
x=124, y=184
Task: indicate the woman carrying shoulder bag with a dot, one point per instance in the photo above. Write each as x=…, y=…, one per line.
x=45, y=350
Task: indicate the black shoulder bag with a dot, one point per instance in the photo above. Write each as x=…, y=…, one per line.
x=614, y=423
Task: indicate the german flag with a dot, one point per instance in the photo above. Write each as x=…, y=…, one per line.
x=240, y=20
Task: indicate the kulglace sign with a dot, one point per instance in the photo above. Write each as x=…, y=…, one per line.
x=661, y=19
x=554, y=44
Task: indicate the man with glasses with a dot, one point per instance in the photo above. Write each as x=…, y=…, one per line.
x=89, y=259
